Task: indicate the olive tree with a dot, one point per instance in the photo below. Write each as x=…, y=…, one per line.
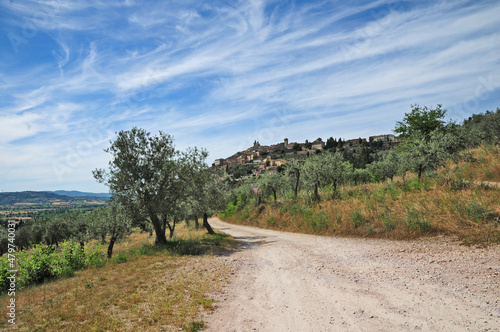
x=426, y=155
x=149, y=176
x=207, y=194
x=316, y=173
x=117, y=223
x=294, y=171
x=339, y=170
x=272, y=184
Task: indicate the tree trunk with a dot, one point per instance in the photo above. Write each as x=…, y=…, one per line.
x=419, y=173
x=159, y=230
x=207, y=225
x=196, y=223
x=316, y=194
x=274, y=194
x=110, y=246
x=171, y=228
x=82, y=245
x=297, y=185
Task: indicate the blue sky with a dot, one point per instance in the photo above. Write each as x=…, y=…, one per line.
x=222, y=74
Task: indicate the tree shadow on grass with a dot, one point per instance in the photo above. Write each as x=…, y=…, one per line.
x=214, y=244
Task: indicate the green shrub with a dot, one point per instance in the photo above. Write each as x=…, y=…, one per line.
x=307, y=213
x=95, y=257
x=270, y=221
x=43, y=264
x=417, y=221
x=389, y=224
x=4, y=268
x=229, y=211
x=413, y=186
x=478, y=212
x=74, y=256
x=357, y=219
x=296, y=209
x=121, y=258
x=320, y=220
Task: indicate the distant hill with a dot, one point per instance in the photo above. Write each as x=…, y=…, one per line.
x=43, y=198
x=75, y=193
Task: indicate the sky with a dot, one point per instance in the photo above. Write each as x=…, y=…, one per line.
x=220, y=74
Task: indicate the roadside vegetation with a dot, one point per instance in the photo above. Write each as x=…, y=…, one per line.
x=133, y=264
x=69, y=273
x=143, y=287
x=435, y=182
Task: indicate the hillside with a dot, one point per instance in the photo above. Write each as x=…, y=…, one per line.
x=452, y=201
x=43, y=198
x=75, y=193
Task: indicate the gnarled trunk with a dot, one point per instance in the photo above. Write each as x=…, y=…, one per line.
x=159, y=230
x=207, y=225
x=110, y=246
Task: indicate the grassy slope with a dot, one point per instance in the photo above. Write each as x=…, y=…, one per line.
x=445, y=204
x=141, y=289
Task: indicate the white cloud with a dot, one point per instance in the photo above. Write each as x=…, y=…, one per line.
x=213, y=72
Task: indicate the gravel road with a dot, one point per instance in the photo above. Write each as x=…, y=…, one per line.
x=294, y=282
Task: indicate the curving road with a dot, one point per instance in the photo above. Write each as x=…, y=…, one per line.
x=294, y=282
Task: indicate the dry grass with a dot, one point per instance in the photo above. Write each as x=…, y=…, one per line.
x=151, y=290
x=486, y=166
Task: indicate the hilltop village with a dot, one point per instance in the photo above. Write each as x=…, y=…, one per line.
x=269, y=158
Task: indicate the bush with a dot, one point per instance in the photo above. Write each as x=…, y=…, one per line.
x=121, y=258
x=4, y=282
x=43, y=264
x=229, y=211
x=478, y=212
x=95, y=257
x=417, y=221
x=357, y=219
x=270, y=221
x=74, y=256
x=320, y=220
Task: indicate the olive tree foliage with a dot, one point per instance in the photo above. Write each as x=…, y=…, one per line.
x=79, y=228
x=339, y=170
x=320, y=170
x=207, y=194
x=294, y=172
x=421, y=155
x=150, y=177
x=115, y=221
x=272, y=185
x=56, y=230
x=385, y=168
x=428, y=141
x=360, y=176
x=315, y=171
x=482, y=128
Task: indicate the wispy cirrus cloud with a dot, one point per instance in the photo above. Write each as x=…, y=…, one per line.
x=221, y=74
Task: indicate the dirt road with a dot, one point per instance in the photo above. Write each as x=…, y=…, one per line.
x=294, y=282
